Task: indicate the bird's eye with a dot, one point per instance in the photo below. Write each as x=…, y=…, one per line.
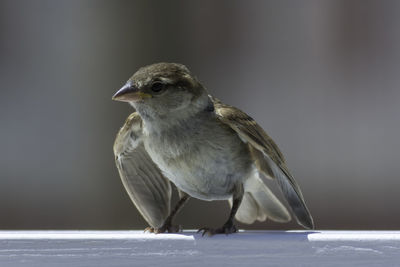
x=157, y=87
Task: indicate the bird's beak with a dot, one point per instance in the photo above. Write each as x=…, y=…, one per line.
x=129, y=93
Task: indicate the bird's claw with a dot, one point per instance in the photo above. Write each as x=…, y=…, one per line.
x=164, y=229
x=226, y=229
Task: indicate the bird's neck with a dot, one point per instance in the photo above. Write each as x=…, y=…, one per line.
x=155, y=124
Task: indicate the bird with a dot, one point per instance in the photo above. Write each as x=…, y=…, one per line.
x=181, y=135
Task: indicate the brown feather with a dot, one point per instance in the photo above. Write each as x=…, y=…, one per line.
x=272, y=161
x=148, y=189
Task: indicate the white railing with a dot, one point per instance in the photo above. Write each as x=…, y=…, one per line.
x=248, y=248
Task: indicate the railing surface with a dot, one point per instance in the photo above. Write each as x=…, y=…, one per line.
x=247, y=248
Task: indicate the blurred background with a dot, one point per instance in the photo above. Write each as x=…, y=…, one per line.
x=321, y=77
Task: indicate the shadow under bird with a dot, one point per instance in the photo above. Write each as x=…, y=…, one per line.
x=208, y=150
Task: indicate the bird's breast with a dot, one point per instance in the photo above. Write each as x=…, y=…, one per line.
x=205, y=161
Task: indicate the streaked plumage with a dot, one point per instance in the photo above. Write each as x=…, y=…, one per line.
x=148, y=189
x=209, y=150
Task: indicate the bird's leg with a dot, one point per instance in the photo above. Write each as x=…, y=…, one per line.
x=167, y=225
x=228, y=227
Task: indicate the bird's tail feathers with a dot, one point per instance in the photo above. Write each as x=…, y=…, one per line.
x=293, y=195
x=259, y=203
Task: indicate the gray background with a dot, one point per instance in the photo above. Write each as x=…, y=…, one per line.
x=322, y=77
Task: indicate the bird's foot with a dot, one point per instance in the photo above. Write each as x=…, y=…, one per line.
x=166, y=228
x=228, y=228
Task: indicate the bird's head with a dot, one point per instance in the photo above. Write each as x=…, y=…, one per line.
x=162, y=89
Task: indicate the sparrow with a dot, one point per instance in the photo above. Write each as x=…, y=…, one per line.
x=180, y=134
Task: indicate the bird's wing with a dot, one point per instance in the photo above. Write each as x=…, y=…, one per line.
x=148, y=189
x=267, y=156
